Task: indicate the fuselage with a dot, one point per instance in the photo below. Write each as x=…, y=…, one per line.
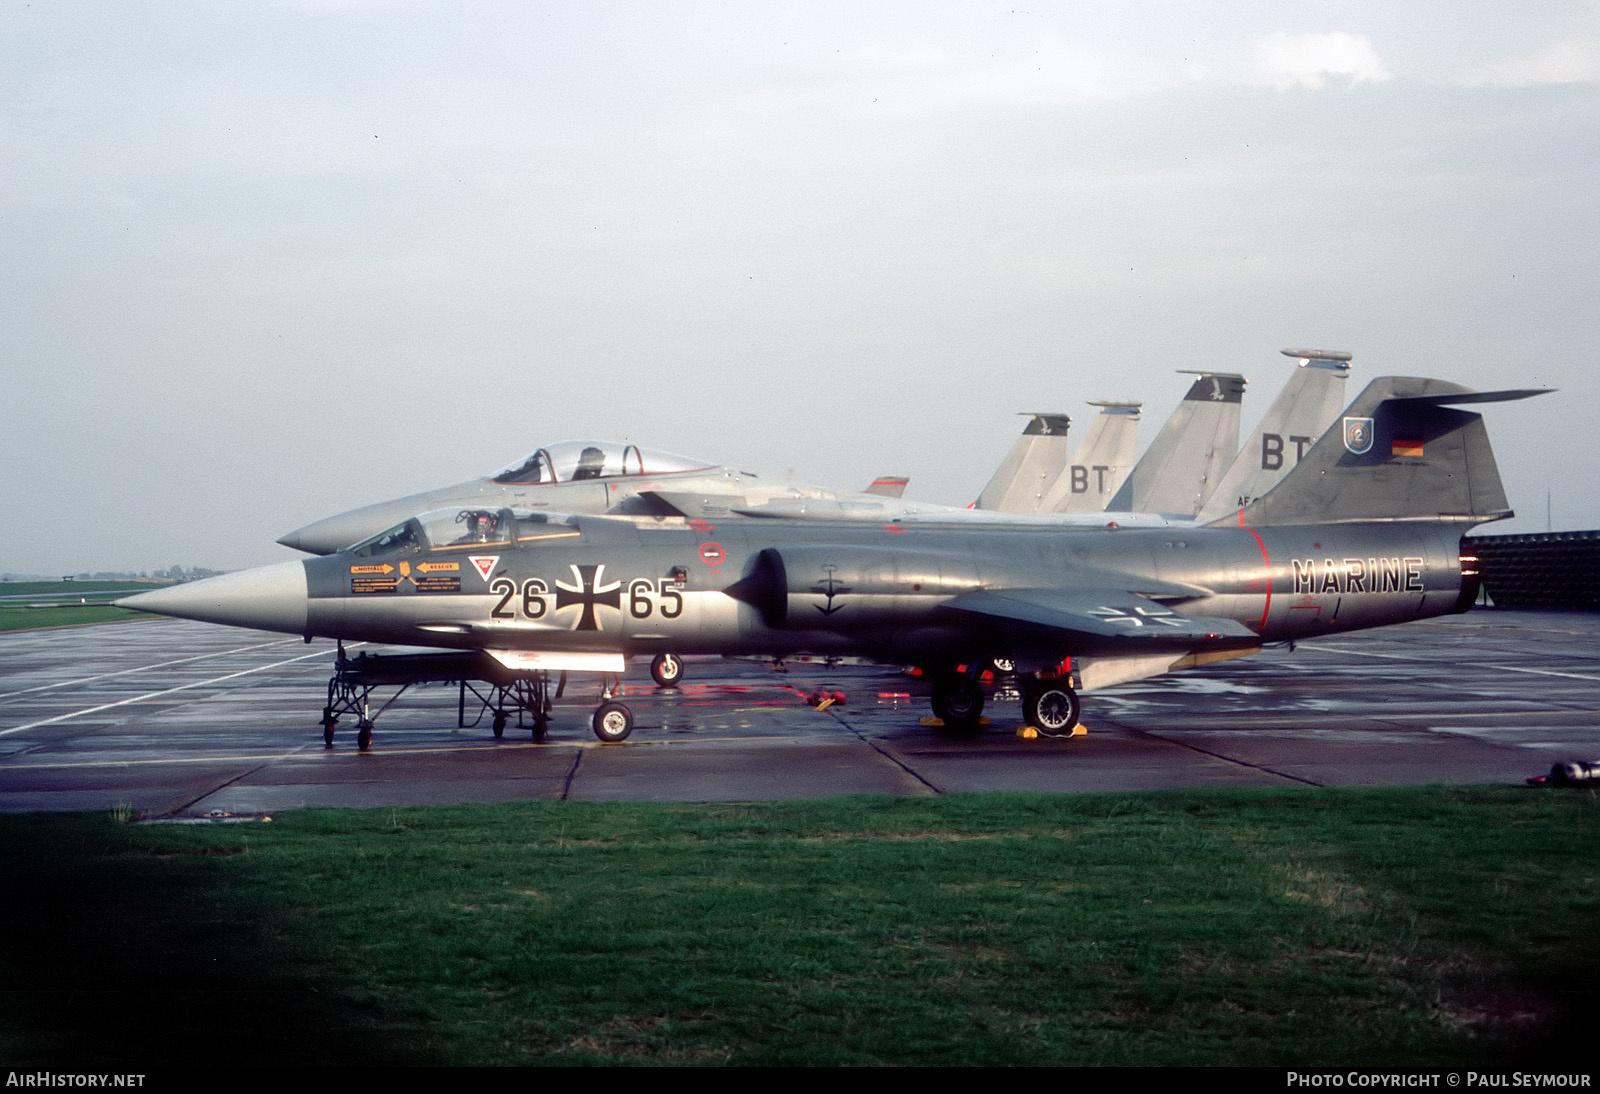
x=778, y=588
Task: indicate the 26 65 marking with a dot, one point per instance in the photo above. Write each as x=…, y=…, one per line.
x=645, y=598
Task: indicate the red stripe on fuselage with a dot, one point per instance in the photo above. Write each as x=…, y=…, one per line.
x=1267, y=607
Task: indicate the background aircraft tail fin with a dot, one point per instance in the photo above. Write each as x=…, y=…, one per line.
x=1308, y=404
x=1401, y=451
x=1188, y=456
x=888, y=486
x=1099, y=464
x=1031, y=468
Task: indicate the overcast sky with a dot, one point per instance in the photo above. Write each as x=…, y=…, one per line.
x=264, y=262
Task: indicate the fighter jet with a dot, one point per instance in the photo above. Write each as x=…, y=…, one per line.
x=588, y=477
x=1366, y=530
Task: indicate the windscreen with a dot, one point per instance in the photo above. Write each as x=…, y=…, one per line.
x=579, y=461
x=442, y=529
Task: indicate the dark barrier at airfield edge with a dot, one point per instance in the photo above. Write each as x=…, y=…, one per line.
x=1541, y=570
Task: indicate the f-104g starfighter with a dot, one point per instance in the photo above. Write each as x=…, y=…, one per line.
x=1365, y=531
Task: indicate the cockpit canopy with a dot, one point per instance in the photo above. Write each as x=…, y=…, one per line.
x=460, y=526
x=575, y=461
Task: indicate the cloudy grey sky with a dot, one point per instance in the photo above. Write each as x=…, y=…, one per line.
x=266, y=261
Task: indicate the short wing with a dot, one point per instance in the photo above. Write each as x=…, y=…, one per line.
x=1089, y=622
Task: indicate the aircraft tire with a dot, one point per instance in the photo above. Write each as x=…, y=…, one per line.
x=957, y=701
x=364, y=736
x=666, y=669
x=612, y=722
x=329, y=724
x=499, y=725
x=1052, y=708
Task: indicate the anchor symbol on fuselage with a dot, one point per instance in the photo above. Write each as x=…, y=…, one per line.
x=829, y=588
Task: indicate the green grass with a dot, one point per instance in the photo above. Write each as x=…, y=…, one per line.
x=75, y=589
x=60, y=603
x=1350, y=927
x=22, y=618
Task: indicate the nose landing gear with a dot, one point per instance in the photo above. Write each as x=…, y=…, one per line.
x=612, y=722
x=666, y=669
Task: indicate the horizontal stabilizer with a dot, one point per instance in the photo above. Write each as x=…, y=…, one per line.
x=1464, y=398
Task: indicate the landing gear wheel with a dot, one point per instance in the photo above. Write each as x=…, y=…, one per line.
x=612, y=722
x=329, y=724
x=541, y=728
x=666, y=669
x=958, y=701
x=1051, y=707
x=364, y=736
x=499, y=726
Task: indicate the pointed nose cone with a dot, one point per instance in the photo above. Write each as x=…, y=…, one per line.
x=326, y=537
x=268, y=598
x=333, y=534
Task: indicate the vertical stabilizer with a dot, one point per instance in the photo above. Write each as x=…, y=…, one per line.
x=1031, y=468
x=1101, y=463
x=1401, y=451
x=1188, y=456
x=1308, y=404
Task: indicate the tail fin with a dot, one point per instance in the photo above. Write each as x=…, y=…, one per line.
x=1188, y=456
x=1101, y=463
x=888, y=486
x=1031, y=468
x=1308, y=404
x=1399, y=453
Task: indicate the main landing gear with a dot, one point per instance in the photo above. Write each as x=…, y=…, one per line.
x=1049, y=704
x=957, y=700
